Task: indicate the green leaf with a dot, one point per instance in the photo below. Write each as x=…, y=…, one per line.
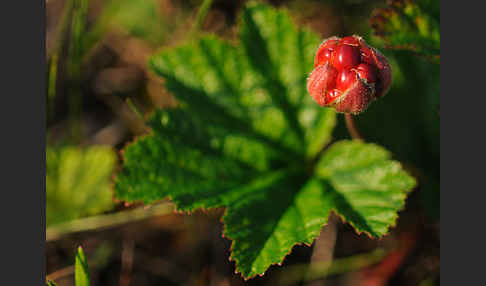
x=78, y=182
x=409, y=25
x=50, y=283
x=407, y=120
x=368, y=188
x=247, y=136
x=266, y=223
x=81, y=269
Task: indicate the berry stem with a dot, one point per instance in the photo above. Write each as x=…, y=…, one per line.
x=351, y=126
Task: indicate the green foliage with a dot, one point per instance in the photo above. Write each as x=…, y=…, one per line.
x=50, y=283
x=78, y=182
x=248, y=137
x=407, y=121
x=368, y=189
x=139, y=18
x=410, y=25
x=404, y=27
x=66, y=61
x=81, y=269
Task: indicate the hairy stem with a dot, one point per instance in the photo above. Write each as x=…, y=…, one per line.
x=323, y=252
x=351, y=126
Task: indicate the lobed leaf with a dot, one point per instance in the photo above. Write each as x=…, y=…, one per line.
x=246, y=137
x=368, y=188
x=269, y=222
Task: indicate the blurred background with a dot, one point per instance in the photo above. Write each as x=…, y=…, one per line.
x=99, y=92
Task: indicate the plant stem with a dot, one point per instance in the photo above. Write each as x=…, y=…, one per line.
x=127, y=262
x=134, y=108
x=323, y=252
x=201, y=16
x=51, y=85
x=351, y=126
x=107, y=221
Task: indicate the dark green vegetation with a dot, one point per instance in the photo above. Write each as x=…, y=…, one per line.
x=240, y=139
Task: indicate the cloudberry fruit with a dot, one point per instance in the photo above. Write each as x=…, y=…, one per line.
x=348, y=74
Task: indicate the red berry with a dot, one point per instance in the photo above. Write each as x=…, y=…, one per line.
x=345, y=79
x=366, y=72
x=345, y=56
x=345, y=69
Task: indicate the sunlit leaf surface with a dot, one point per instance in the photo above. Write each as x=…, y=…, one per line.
x=247, y=136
